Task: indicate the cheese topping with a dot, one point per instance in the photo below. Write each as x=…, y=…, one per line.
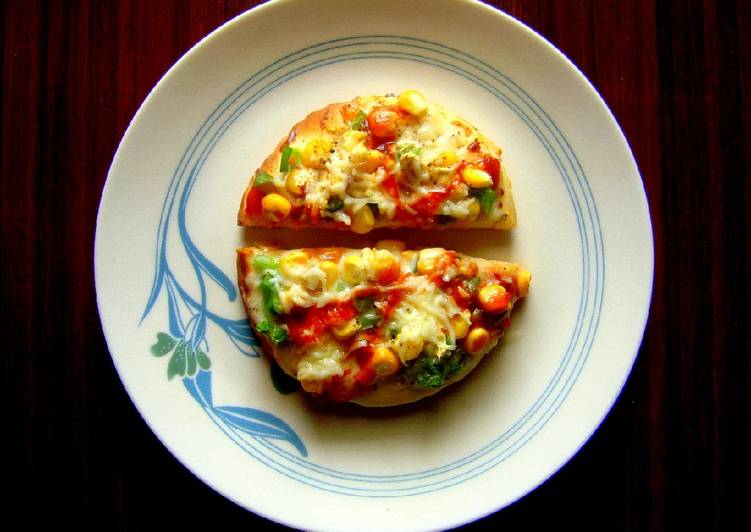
x=322, y=361
x=390, y=160
x=351, y=316
x=423, y=320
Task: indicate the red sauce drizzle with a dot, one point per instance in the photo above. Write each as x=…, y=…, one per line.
x=253, y=202
x=493, y=167
x=307, y=324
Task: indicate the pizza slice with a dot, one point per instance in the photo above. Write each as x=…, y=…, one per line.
x=381, y=161
x=378, y=326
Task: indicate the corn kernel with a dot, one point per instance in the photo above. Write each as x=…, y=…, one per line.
x=447, y=158
x=352, y=139
x=474, y=210
x=294, y=182
x=413, y=102
x=460, y=326
x=370, y=162
x=275, y=207
x=408, y=344
x=409, y=259
x=493, y=297
x=476, y=178
x=391, y=245
x=467, y=267
x=316, y=153
x=344, y=330
x=385, y=361
x=429, y=260
x=385, y=266
x=522, y=282
x=292, y=261
x=362, y=220
x=353, y=269
x=331, y=269
x=477, y=340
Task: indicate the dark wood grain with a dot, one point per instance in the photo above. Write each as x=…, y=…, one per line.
x=672, y=454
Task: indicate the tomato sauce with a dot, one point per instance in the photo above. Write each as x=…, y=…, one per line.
x=510, y=286
x=493, y=167
x=390, y=185
x=307, y=324
x=253, y=202
x=346, y=387
x=428, y=204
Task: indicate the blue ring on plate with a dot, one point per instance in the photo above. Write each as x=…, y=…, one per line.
x=552, y=139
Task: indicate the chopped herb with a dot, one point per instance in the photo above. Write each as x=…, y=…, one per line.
x=335, y=203
x=443, y=219
x=359, y=121
x=368, y=320
x=340, y=285
x=431, y=372
x=486, y=197
x=364, y=303
x=270, y=292
x=407, y=149
x=262, y=179
x=471, y=284
x=264, y=262
x=369, y=316
x=289, y=153
x=454, y=362
x=272, y=305
x=284, y=163
x=429, y=379
x=276, y=333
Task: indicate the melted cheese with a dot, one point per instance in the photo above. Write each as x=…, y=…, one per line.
x=321, y=361
x=422, y=318
x=420, y=163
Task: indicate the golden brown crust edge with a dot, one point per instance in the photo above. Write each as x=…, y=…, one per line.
x=508, y=203
x=242, y=272
x=397, y=393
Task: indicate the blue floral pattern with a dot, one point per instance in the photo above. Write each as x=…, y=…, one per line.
x=188, y=318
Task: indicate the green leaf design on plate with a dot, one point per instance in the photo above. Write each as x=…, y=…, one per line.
x=176, y=364
x=192, y=364
x=164, y=344
x=203, y=360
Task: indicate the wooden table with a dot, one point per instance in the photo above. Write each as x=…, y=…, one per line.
x=675, y=73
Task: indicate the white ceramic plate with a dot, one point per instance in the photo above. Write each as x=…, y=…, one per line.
x=166, y=237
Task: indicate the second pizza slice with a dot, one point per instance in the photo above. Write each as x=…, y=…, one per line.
x=380, y=326
x=381, y=161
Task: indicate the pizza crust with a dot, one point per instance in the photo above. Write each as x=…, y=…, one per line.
x=396, y=392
